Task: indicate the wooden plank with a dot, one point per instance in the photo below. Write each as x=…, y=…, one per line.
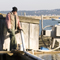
x=29, y=20
x=3, y=52
x=29, y=36
x=6, y=44
x=52, y=52
x=34, y=36
x=25, y=29
x=23, y=19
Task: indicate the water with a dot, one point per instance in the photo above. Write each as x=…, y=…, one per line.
x=47, y=22
x=49, y=56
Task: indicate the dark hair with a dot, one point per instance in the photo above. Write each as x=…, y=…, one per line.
x=14, y=9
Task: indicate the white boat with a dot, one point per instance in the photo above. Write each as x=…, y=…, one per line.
x=55, y=19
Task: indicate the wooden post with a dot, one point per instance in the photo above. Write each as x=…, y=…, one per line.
x=42, y=25
x=29, y=36
x=42, y=30
x=24, y=14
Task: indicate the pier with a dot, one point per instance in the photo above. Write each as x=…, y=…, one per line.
x=45, y=17
x=32, y=41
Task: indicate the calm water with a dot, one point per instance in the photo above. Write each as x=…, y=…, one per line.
x=49, y=56
x=47, y=22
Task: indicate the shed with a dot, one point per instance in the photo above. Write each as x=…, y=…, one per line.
x=30, y=27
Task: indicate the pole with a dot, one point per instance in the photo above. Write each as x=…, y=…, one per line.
x=41, y=24
x=29, y=36
x=22, y=39
x=42, y=30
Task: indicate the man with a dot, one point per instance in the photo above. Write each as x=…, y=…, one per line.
x=13, y=23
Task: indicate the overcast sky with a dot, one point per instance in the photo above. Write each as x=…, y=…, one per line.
x=29, y=4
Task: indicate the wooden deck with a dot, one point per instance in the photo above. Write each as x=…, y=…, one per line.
x=13, y=55
x=35, y=52
x=52, y=52
x=20, y=55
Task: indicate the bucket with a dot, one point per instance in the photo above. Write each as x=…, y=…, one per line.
x=43, y=48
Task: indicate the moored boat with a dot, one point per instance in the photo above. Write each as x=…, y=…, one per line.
x=55, y=19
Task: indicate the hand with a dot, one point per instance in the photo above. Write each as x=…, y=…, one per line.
x=21, y=29
x=9, y=30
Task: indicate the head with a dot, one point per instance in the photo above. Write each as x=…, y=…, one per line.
x=14, y=10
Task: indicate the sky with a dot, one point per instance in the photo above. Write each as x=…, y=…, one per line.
x=6, y=5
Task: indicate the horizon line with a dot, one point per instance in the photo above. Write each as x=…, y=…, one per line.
x=32, y=10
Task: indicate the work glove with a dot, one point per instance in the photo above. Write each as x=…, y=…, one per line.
x=9, y=30
x=19, y=29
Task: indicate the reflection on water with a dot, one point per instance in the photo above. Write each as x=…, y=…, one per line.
x=49, y=56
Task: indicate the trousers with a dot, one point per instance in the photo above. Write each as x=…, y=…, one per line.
x=13, y=42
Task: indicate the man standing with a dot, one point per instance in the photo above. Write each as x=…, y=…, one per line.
x=13, y=23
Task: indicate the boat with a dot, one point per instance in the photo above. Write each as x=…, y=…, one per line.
x=55, y=19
